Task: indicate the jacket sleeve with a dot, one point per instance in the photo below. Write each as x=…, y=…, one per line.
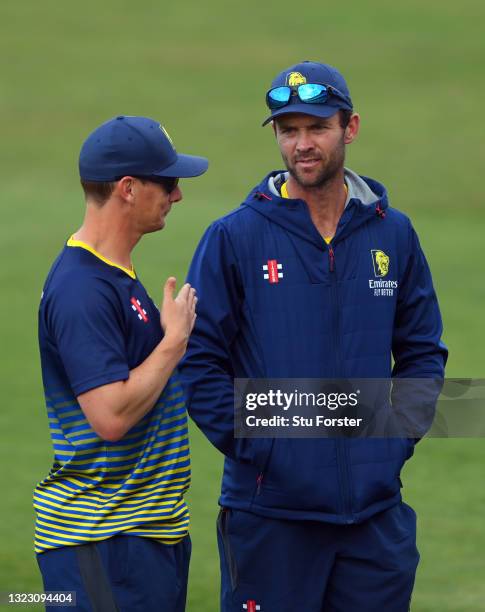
x=417, y=348
x=206, y=369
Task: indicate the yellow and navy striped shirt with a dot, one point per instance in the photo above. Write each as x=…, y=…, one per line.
x=96, y=323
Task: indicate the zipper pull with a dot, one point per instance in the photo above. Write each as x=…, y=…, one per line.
x=379, y=211
x=259, y=480
x=260, y=195
x=331, y=255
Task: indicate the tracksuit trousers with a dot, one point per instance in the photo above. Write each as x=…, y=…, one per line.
x=121, y=574
x=273, y=565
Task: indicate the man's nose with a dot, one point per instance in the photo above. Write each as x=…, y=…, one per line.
x=176, y=195
x=304, y=142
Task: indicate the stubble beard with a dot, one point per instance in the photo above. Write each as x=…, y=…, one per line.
x=331, y=168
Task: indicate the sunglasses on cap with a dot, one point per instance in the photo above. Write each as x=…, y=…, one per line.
x=169, y=183
x=309, y=93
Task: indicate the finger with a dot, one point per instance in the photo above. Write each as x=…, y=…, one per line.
x=193, y=305
x=184, y=292
x=169, y=288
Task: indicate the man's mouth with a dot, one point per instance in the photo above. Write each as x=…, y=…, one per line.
x=308, y=163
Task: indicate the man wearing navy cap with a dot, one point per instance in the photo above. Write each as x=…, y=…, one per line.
x=112, y=523
x=314, y=276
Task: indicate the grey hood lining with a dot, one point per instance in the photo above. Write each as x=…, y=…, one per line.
x=357, y=187
x=276, y=180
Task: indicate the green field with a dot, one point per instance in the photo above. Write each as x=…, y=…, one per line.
x=415, y=71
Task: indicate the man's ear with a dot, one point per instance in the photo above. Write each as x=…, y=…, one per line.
x=125, y=188
x=352, y=128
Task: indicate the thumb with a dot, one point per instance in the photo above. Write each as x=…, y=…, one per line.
x=169, y=288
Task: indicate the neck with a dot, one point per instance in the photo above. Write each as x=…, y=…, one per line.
x=325, y=203
x=108, y=234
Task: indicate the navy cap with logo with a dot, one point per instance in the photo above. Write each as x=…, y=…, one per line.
x=337, y=95
x=136, y=146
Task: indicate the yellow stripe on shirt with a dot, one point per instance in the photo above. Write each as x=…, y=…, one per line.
x=72, y=242
x=284, y=194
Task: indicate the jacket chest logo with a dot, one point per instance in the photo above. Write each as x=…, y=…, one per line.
x=272, y=271
x=139, y=310
x=381, y=264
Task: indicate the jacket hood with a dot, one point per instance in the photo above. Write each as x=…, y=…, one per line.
x=367, y=200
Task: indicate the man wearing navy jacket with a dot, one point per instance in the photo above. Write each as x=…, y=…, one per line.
x=290, y=286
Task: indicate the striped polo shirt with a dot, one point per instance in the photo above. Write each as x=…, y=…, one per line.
x=96, y=323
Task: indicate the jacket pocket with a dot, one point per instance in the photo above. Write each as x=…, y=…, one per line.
x=375, y=467
x=262, y=452
x=300, y=474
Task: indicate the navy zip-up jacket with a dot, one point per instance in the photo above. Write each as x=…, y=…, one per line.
x=324, y=316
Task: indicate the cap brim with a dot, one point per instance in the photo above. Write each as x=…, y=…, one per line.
x=315, y=110
x=185, y=166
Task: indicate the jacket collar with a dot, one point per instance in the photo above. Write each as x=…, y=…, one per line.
x=367, y=201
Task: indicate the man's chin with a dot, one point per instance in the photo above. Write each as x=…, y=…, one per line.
x=312, y=180
x=155, y=228
x=308, y=181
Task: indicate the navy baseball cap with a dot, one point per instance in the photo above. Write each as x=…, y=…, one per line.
x=312, y=72
x=134, y=145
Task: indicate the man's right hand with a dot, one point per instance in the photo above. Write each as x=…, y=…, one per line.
x=113, y=409
x=177, y=315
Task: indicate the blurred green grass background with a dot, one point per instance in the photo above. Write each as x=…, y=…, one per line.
x=416, y=75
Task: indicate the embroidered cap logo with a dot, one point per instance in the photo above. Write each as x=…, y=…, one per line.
x=166, y=134
x=295, y=78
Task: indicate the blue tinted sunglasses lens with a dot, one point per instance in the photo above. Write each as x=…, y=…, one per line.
x=169, y=183
x=279, y=96
x=313, y=92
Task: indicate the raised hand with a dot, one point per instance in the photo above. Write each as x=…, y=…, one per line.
x=177, y=315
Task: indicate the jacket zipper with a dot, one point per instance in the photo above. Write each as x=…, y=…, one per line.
x=331, y=255
x=341, y=443
x=264, y=467
x=259, y=481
